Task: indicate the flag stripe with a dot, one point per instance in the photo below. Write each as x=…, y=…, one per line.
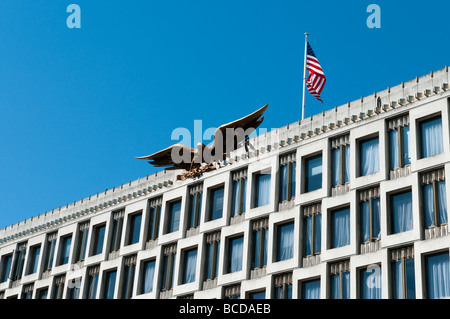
x=316, y=79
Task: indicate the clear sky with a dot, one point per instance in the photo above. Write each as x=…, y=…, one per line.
x=77, y=105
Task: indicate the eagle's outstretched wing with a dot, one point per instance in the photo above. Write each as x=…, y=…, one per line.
x=165, y=158
x=243, y=127
x=185, y=155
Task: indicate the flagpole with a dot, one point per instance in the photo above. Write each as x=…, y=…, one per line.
x=304, y=76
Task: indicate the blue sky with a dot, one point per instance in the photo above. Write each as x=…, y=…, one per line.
x=77, y=105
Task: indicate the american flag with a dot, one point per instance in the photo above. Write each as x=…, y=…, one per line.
x=316, y=79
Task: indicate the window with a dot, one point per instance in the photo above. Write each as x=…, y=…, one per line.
x=83, y=232
x=190, y=264
x=399, y=154
x=401, y=212
x=434, y=198
x=18, y=261
x=262, y=189
x=370, y=214
x=340, y=156
x=438, y=276
x=58, y=288
x=431, y=137
x=27, y=291
x=110, y=284
x=6, y=267
x=340, y=280
x=257, y=295
x=42, y=293
x=73, y=290
x=50, y=251
x=287, y=177
x=311, y=289
x=235, y=254
x=239, y=192
x=369, y=156
x=98, y=240
x=154, y=216
x=169, y=254
x=33, y=262
x=285, y=241
x=313, y=229
x=259, y=244
x=283, y=286
x=340, y=227
x=195, y=205
x=128, y=277
x=64, y=254
x=313, y=176
x=370, y=282
x=148, y=276
x=216, y=203
x=403, y=281
x=92, y=281
x=116, y=234
x=212, y=255
x=134, y=230
x=173, y=222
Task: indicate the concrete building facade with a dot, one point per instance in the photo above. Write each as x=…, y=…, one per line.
x=349, y=203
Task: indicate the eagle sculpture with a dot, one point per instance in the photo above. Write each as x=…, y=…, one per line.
x=195, y=161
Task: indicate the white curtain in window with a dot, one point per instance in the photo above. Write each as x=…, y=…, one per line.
x=311, y=290
x=308, y=221
x=336, y=154
x=235, y=201
x=175, y=218
x=402, y=212
x=347, y=163
x=244, y=194
x=293, y=179
x=237, y=245
x=393, y=149
x=334, y=290
x=442, y=198
x=191, y=262
x=149, y=273
x=110, y=285
x=370, y=161
x=432, y=143
x=317, y=233
x=371, y=283
x=397, y=279
x=406, y=153
x=66, y=253
x=438, y=276
x=341, y=228
x=346, y=285
x=35, y=259
x=283, y=182
x=263, y=190
x=365, y=222
x=286, y=241
x=428, y=205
